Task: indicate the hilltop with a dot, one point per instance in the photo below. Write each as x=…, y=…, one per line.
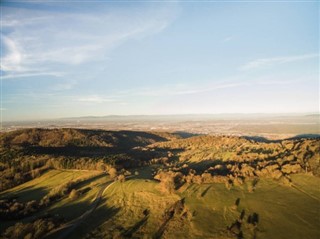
x=81, y=137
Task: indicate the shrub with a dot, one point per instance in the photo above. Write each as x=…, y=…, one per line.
x=291, y=168
x=74, y=194
x=34, y=230
x=121, y=178
x=113, y=173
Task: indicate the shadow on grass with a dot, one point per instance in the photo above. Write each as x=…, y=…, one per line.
x=88, y=181
x=261, y=139
x=163, y=226
x=98, y=217
x=203, y=165
x=205, y=191
x=298, y=136
x=174, y=209
x=128, y=233
x=184, y=134
x=26, y=194
x=71, y=150
x=80, y=221
x=71, y=210
x=93, y=143
x=305, y=136
x=146, y=172
x=125, y=157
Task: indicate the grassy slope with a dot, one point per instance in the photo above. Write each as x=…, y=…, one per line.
x=66, y=207
x=126, y=202
x=71, y=209
x=283, y=212
x=39, y=187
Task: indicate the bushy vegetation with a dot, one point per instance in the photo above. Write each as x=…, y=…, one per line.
x=26, y=154
x=81, y=137
x=17, y=168
x=233, y=160
x=169, y=181
x=20, y=168
x=201, y=159
x=34, y=230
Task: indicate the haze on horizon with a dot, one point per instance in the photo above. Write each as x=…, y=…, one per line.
x=62, y=59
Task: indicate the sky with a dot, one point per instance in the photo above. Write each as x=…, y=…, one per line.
x=68, y=59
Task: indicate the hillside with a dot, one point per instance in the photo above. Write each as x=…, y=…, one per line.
x=213, y=150
x=81, y=137
x=127, y=184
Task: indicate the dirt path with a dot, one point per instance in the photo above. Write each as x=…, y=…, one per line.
x=308, y=194
x=66, y=229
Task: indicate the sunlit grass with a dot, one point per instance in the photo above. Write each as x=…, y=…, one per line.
x=39, y=187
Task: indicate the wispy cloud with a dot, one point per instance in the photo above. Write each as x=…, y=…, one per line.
x=267, y=62
x=193, y=89
x=95, y=99
x=13, y=59
x=178, y=90
x=39, y=42
x=31, y=74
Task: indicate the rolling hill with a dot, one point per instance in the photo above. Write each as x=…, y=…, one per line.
x=74, y=183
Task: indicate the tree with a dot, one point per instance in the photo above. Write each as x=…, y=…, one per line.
x=113, y=173
x=35, y=173
x=121, y=178
x=169, y=181
x=74, y=194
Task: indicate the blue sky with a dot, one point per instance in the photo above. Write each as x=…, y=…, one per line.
x=62, y=59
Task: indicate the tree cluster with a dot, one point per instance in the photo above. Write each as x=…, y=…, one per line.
x=169, y=180
x=17, y=168
x=34, y=230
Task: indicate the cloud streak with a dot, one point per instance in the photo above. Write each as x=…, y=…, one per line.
x=95, y=99
x=39, y=42
x=13, y=59
x=192, y=89
x=32, y=74
x=269, y=62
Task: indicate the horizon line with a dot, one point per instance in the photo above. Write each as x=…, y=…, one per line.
x=162, y=115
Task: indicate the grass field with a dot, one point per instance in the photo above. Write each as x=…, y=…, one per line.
x=137, y=208
x=283, y=212
x=250, y=203
x=209, y=210
x=66, y=207
x=73, y=208
x=39, y=187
